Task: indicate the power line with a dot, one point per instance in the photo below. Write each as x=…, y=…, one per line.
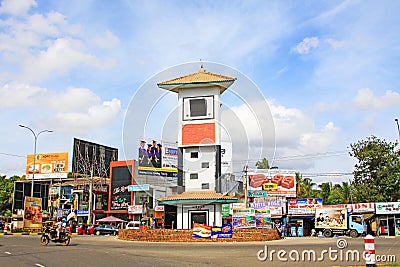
x=12, y=155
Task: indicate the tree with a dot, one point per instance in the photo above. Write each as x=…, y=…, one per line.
x=305, y=187
x=262, y=164
x=325, y=191
x=376, y=175
x=6, y=194
x=340, y=194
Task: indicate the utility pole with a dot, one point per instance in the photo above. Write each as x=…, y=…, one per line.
x=90, y=196
x=398, y=128
x=245, y=184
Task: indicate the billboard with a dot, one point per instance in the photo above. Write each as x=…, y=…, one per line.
x=121, y=179
x=49, y=165
x=304, y=206
x=158, y=158
x=331, y=218
x=274, y=182
x=88, y=156
x=33, y=212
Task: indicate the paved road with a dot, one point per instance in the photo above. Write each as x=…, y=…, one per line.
x=109, y=251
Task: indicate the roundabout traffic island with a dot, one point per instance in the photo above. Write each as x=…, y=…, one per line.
x=172, y=235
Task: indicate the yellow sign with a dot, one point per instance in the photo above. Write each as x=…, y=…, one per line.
x=33, y=212
x=269, y=186
x=50, y=165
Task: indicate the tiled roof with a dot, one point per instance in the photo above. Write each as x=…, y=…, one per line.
x=198, y=195
x=199, y=78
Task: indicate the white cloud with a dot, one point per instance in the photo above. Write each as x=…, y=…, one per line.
x=305, y=46
x=295, y=134
x=367, y=100
x=106, y=40
x=18, y=94
x=17, y=7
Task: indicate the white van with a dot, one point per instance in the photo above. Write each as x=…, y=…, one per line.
x=133, y=225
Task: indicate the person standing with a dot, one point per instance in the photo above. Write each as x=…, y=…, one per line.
x=143, y=157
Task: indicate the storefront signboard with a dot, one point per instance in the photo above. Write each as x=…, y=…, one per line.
x=387, y=207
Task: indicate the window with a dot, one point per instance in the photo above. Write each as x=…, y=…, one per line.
x=205, y=186
x=205, y=165
x=194, y=176
x=198, y=107
x=195, y=108
x=194, y=155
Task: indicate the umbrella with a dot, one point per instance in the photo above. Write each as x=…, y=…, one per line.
x=110, y=219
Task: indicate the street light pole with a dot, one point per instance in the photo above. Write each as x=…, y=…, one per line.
x=34, y=152
x=398, y=128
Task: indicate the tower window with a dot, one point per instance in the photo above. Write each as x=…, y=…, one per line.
x=194, y=155
x=198, y=107
x=194, y=176
x=205, y=165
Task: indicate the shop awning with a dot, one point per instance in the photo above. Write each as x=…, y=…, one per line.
x=368, y=216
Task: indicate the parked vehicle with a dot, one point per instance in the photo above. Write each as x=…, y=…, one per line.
x=338, y=221
x=133, y=225
x=105, y=229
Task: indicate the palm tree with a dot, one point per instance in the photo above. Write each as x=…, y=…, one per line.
x=262, y=164
x=341, y=194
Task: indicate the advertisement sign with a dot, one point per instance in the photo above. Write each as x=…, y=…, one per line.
x=387, y=207
x=159, y=208
x=274, y=182
x=304, y=206
x=33, y=212
x=244, y=218
x=158, y=158
x=226, y=157
x=224, y=231
x=135, y=209
x=331, y=218
x=142, y=187
x=354, y=208
x=272, y=208
x=50, y=165
x=225, y=210
x=257, y=193
x=87, y=154
x=201, y=230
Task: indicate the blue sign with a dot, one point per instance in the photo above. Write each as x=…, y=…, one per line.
x=142, y=187
x=257, y=193
x=82, y=212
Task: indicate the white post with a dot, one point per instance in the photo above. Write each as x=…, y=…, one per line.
x=369, y=252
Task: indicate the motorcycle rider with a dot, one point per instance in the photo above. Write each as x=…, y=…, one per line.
x=60, y=226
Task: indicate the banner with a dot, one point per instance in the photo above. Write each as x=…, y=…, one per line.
x=387, y=208
x=33, y=212
x=304, y=206
x=274, y=182
x=331, y=218
x=201, y=230
x=51, y=165
x=158, y=159
x=224, y=231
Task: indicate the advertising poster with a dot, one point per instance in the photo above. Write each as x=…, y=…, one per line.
x=224, y=231
x=33, y=212
x=263, y=219
x=244, y=218
x=50, y=165
x=273, y=207
x=387, y=207
x=331, y=218
x=304, y=206
x=201, y=230
x=158, y=158
x=274, y=182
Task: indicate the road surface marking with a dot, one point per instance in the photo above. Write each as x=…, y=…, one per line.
x=9, y=253
x=39, y=265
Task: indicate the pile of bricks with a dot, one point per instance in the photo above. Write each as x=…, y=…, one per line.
x=169, y=235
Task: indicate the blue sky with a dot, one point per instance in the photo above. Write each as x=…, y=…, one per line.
x=327, y=69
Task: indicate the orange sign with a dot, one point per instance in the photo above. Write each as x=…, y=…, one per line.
x=50, y=165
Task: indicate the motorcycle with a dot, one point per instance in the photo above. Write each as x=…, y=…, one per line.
x=50, y=234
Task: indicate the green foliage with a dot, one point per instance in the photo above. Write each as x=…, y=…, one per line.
x=376, y=175
x=262, y=164
x=6, y=194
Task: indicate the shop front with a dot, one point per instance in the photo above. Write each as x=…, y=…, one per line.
x=301, y=214
x=388, y=218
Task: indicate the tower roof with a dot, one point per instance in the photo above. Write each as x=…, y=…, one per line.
x=201, y=78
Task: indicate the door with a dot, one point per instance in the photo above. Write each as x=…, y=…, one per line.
x=198, y=217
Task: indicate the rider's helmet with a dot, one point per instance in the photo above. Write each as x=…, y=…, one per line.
x=64, y=220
